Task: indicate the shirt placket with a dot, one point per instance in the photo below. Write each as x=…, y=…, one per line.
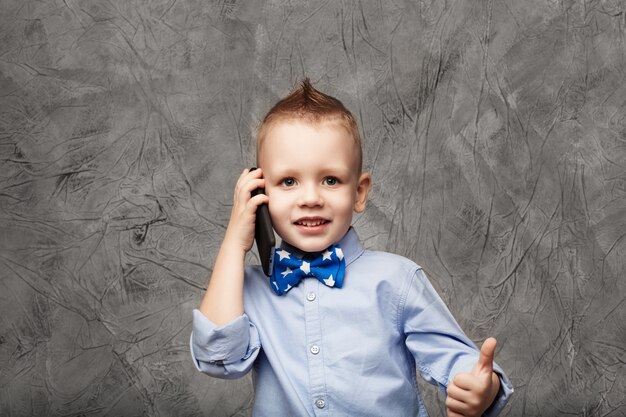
x=315, y=349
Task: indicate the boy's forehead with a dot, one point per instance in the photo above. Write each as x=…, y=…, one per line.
x=276, y=139
x=334, y=125
x=287, y=129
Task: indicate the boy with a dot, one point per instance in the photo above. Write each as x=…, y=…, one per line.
x=348, y=340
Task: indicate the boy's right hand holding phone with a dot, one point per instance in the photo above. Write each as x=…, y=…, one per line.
x=223, y=300
x=243, y=215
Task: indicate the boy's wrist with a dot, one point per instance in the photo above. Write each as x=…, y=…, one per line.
x=234, y=246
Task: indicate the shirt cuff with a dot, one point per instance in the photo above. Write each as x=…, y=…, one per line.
x=231, y=343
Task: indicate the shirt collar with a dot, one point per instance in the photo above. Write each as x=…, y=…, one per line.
x=350, y=245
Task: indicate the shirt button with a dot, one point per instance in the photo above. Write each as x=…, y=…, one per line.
x=320, y=403
x=310, y=296
x=315, y=350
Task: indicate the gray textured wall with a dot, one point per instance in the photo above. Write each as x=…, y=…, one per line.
x=495, y=132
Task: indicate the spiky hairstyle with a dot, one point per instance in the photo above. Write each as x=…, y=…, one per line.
x=310, y=105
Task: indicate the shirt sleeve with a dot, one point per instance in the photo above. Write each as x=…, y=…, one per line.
x=438, y=345
x=226, y=352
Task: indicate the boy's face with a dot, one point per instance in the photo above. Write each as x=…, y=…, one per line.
x=311, y=178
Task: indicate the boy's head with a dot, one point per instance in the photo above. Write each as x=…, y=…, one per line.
x=306, y=104
x=309, y=150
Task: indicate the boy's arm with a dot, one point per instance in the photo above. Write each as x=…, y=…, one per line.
x=471, y=394
x=441, y=349
x=223, y=300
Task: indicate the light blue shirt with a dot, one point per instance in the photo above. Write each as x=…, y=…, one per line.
x=354, y=351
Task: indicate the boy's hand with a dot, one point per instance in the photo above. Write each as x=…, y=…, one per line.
x=240, y=231
x=470, y=394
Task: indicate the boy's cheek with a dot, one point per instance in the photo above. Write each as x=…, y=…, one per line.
x=275, y=214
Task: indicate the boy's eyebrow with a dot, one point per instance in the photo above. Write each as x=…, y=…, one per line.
x=327, y=170
x=342, y=170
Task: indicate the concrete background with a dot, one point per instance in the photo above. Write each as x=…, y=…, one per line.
x=495, y=132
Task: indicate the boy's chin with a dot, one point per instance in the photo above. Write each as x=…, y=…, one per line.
x=314, y=244
x=309, y=247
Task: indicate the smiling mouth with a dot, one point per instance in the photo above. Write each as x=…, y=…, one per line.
x=311, y=222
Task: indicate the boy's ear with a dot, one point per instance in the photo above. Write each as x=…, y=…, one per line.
x=362, y=190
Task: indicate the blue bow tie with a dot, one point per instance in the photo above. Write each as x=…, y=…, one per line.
x=328, y=267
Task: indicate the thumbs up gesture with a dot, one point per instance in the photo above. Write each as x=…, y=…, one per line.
x=470, y=394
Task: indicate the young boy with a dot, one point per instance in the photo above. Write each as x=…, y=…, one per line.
x=337, y=330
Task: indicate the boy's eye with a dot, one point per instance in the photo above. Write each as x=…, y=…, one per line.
x=288, y=182
x=331, y=181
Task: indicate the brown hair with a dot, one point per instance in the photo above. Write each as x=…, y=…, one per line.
x=310, y=105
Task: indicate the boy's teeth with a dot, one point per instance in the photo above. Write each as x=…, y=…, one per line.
x=312, y=223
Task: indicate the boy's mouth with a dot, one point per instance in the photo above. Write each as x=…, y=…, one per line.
x=311, y=221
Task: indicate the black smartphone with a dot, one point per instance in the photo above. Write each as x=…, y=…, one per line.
x=264, y=234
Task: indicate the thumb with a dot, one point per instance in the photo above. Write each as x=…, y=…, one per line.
x=485, y=360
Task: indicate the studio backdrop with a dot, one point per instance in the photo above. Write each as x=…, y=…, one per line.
x=495, y=133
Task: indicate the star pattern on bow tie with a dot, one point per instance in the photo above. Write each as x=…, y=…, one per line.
x=328, y=268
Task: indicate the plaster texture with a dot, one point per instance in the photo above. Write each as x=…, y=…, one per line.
x=495, y=132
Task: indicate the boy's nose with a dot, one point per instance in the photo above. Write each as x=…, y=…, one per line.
x=310, y=197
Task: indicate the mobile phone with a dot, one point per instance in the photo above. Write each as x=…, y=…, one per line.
x=264, y=234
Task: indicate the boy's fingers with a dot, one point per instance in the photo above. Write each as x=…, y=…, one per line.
x=464, y=382
x=249, y=173
x=485, y=360
x=457, y=392
x=455, y=406
x=259, y=199
x=245, y=188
